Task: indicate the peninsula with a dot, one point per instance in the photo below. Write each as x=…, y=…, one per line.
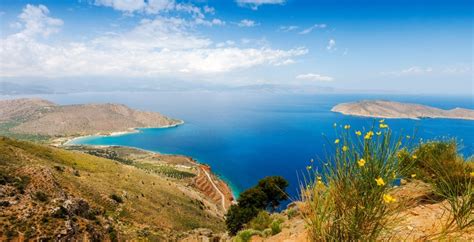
x=42, y=117
x=389, y=109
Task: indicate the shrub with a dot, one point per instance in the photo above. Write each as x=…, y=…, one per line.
x=41, y=196
x=438, y=163
x=260, y=222
x=116, y=198
x=246, y=235
x=348, y=198
x=275, y=226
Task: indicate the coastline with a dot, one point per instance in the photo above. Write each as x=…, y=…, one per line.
x=392, y=117
x=67, y=141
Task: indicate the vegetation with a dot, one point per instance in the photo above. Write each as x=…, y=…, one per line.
x=267, y=194
x=5, y=131
x=116, y=198
x=150, y=201
x=349, y=198
x=451, y=176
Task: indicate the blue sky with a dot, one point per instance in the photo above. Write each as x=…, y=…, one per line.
x=399, y=45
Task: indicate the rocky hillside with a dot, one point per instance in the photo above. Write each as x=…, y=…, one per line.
x=388, y=109
x=58, y=194
x=41, y=117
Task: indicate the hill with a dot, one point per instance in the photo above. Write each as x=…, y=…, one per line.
x=51, y=193
x=41, y=117
x=388, y=109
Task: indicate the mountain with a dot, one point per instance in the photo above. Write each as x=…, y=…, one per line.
x=388, y=109
x=41, y=117
x=48, y=193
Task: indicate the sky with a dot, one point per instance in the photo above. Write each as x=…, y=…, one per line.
x=407, y=46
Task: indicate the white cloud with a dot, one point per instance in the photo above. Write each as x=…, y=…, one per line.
x=254, y=4
x=310, y=29
x=130, y=6
x=288, y=28
x=153, y=7
x=331, y=45
x=35, y=21
x=314, y=77
x=162, y=46
x=247, y=23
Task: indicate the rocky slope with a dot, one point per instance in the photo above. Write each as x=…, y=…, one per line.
x=422, y=219
x=388, y=109
x=37, y=116
x=55, y=194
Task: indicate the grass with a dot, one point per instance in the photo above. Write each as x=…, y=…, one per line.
x=439, y=164
x=349, y=199
x=151, y=199
x=5, y=131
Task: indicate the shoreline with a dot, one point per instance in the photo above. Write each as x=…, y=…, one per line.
x=392, y=117
x=67, y=141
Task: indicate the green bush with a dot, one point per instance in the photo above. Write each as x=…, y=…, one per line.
x=116, y=198
x=275, y=226
x=246, y=235
x=260, y=222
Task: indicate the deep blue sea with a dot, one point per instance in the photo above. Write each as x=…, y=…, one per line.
x=247, y=136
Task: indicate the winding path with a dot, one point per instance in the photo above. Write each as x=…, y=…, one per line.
x=215, y=187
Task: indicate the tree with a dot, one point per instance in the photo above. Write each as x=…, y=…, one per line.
x=237, y=216
x=274, y=188
x=269, y=192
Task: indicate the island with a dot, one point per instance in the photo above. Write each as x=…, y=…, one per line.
x=389, y=109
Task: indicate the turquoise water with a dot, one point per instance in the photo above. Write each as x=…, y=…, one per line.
x=247, y=136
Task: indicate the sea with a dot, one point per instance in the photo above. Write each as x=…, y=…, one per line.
x=246, y=136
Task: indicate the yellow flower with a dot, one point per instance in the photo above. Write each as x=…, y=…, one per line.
x=387, y=198
x=382, y=120
x=379, y=133
x=394, y=175
x=361, y=162
x=414, y=157
x=408, y=136
x=471, y=174
x=308, y=168
x=380, y=181
x=319, y=178
x=383, y=126
x=413, y=175
x=347, y=126
x=336, y=141
x=320, y=184
x=369, y=135
x=345, y=148
x=358, y=133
